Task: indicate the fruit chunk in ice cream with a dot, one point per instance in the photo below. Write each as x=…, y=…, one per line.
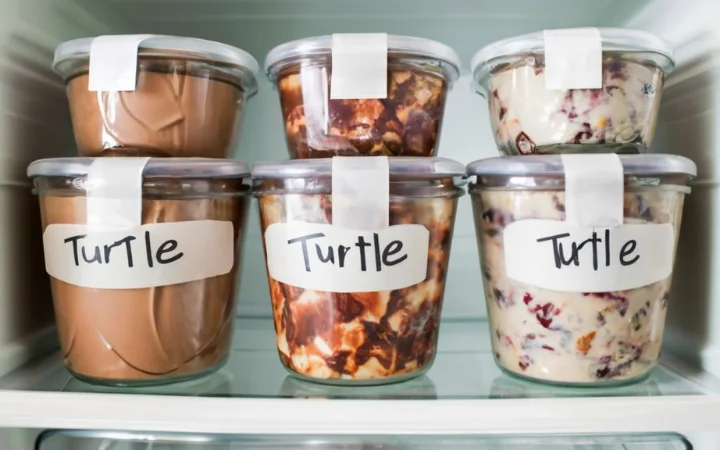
x=566, y=337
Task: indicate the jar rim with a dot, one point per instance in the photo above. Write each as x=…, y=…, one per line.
x=623, y=40
x=179, y=168
x=319, y=46
x=401, y=168
x=176, y=47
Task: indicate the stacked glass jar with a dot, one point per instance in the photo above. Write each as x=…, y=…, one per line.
x=142, y=230
x=357, y=225
x=577, y=243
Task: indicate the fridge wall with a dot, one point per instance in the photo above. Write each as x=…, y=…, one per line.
x=35, y=123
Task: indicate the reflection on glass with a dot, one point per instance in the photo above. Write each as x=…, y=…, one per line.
x=419, y=388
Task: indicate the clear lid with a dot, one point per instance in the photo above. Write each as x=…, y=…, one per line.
x=167, y=46
x=284, y=54
x=613, y=39
x=155, y=168
x=551, y=165
x=400, y=167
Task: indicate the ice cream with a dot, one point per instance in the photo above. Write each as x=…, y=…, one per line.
x=369, y=337
x=169, y=114
x=543, y=105
x=188, y=98
x=527, y=118
x=404, y=122
x=407, y=123
x=571, y=337
x=152, y=335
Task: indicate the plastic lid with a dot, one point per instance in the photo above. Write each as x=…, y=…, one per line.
x=155, y=168
x=322, y=45
x=171, y=46
x=400, y=167
x=613, y=39
x=551, y=165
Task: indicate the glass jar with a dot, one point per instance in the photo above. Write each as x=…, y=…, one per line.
x=164, y=331
x=529, y=118
x=573, y=336
x=373, y=336
x=420, y=73
x=188, y=101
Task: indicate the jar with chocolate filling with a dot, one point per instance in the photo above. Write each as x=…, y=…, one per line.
x=149, y=302
x=188, y=98
x=536, y=108
x=405, y=122
x=358, y=334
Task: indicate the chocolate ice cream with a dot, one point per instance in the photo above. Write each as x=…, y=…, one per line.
x=188, y=99
x=148, y=335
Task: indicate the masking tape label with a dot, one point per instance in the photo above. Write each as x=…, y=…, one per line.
x=114, y=195
x=359, y=66
x=330, y=258
x=573, y=58
x=113, y=62
x=594, y=190
x=152, y=255
x=361, y=192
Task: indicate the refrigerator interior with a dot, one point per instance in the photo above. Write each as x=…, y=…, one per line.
x=35, y=123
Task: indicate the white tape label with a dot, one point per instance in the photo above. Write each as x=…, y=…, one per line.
x=329, y=258
x=152, y=255
x=359, y=66
x=555, y=255
x=113, y=62
x=594, y=190
x=114, y=196
x=361, y=192
x=573, y=58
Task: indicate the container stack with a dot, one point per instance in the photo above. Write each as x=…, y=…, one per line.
x=357, y=226
x=141, y=230
x=577, y=226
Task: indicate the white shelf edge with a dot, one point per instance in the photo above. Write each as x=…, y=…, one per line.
x=112, y=412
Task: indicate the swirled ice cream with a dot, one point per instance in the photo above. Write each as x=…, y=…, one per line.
x=361, y=337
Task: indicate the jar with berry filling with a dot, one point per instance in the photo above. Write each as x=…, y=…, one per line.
x=357, y=306
x=539, y=104
x=569, y=304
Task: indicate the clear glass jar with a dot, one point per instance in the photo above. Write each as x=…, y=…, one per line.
x=361, y=338
x=569, y=337
x=153, y=335
x=528, y=118
x=189, y=99
x=406, y=123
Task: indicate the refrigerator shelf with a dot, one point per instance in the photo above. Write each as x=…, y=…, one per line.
x=464, y=393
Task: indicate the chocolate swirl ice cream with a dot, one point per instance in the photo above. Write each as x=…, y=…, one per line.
x=406, y=123
x=404, y=120
x=368, y=337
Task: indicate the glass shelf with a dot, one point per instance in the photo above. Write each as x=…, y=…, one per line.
x=464, y=393
x=464, y=369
